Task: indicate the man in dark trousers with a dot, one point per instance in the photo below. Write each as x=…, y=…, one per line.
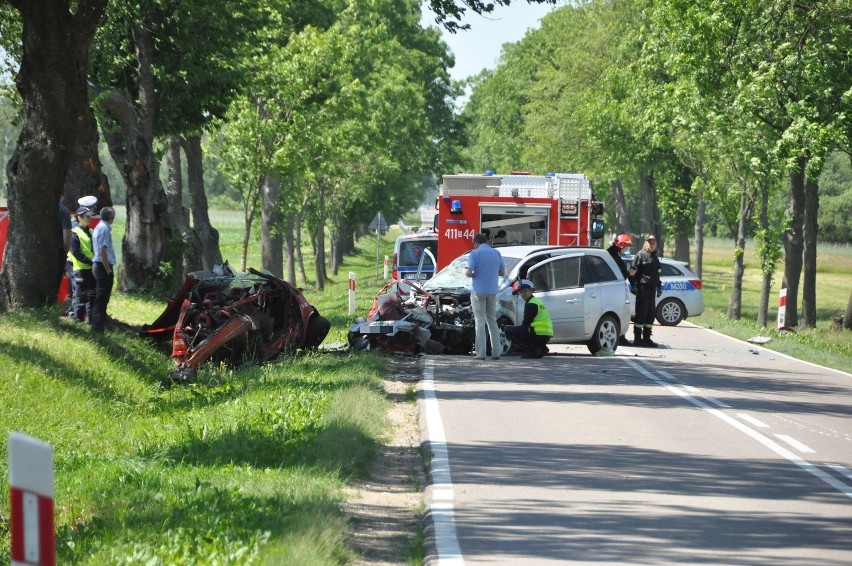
x=536, y=330
x=80, y=256
x=647, y=266
x=619, y=244
x=103, y=266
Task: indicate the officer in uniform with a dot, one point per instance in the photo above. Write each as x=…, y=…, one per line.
x=80, y=256
x=536, y=330
x=647, y=266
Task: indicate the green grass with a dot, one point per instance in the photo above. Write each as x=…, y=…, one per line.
x=821, y=344
x=246, y=466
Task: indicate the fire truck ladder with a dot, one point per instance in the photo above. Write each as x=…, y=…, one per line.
x=571, y=190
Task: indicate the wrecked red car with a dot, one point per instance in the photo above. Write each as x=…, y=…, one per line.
x=234, y=318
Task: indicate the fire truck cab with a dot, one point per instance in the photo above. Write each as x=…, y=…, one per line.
x=516, y=209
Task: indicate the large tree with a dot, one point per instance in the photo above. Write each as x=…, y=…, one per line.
x=52, y=83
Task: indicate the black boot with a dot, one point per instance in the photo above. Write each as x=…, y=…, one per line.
x=623, y=341
x=637, y=337
x=646, y=338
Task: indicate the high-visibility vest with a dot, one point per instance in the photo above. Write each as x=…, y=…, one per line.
x=85, y=248
x=541, y=324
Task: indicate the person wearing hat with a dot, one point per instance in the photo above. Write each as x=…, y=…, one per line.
x=80, y=255
x=619, y=244
x=536, y=330
x=647, y=276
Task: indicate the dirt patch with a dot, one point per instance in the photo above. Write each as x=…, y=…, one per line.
x=386, y=508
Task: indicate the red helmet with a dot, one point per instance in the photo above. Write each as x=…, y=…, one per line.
x=623, y=241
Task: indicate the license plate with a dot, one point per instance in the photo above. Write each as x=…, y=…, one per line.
x=415, y=277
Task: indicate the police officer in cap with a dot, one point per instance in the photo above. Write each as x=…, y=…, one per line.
x=536, y=330
x=80, y=256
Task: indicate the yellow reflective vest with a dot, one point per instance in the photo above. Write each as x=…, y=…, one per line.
x=541, y=324
x=85, y=248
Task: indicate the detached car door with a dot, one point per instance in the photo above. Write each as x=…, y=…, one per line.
x=557, y=283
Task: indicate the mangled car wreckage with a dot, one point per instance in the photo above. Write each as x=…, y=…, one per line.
x=407, y=318
x=232, y=318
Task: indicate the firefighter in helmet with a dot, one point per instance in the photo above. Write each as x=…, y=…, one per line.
x=619, y=244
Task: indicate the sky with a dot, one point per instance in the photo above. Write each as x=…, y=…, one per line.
x=479, y=47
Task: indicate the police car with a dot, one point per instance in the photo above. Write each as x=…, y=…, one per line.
x=682, y=296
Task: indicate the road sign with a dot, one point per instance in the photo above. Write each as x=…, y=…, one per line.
x=379, y=224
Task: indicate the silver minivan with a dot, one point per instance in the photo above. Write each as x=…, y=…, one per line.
x=582, y=288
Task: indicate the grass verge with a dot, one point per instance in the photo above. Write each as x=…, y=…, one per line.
x=247, y=466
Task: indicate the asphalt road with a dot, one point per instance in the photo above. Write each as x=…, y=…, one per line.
x=707, y=450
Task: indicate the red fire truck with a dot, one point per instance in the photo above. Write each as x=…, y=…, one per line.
x=520, y=208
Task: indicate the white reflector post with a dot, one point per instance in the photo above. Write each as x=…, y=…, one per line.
x=782, y=309
x=31, y=501
x=386, y=268
x=351, y=293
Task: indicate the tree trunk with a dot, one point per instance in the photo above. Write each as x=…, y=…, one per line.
x=300, y=260
x=650, y=210
x=682, y=246
x=319, y=254
x=271, y=227
x=189, y=257
x=85, y=176
x=52, y=85
x=847, y=320
x=147, y=237
x=766, y=279
x=810, y=241
x=735, y=300
x=290, y=246
x=622, y=219
x=794, y=244
x=698, y=267
x=211, y=255
x=334, y=250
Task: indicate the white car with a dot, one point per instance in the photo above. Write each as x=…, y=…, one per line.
x=582, y=288
x=682, y=296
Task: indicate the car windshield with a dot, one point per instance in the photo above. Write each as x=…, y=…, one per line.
x=453, y=276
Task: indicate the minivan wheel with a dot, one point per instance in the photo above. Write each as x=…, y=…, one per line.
x=605, y=336
x=670, y=312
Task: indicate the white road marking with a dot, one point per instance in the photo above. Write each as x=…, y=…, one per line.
x=720, y=404
x=446, y=539
x=753, y=421
x=795, y=443
x=766, y=441
x=840, y=469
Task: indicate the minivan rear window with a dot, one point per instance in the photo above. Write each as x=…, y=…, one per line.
x=410, y=252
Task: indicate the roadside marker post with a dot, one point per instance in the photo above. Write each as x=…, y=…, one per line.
x=351, y=293
x=782, y=306
x=31, y=501
x=386, y=268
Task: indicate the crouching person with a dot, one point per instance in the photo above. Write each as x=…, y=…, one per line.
x=536, y=330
